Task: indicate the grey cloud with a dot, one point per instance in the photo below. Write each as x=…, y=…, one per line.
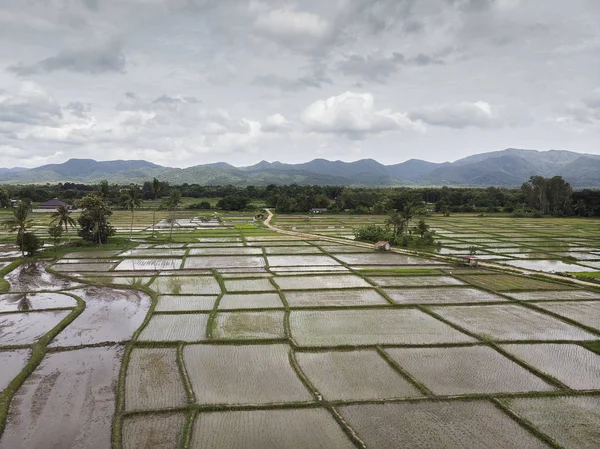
x=79, y=109
x=174, y=100
x=29, y=109
x=315, y=79
x=107, y=57
x=457, y=115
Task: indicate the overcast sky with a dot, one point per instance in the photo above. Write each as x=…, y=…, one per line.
x=187, y=82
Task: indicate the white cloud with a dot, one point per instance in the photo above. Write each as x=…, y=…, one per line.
x=276, y=123
x=292, y=28
x=458, y=115
x=354, y=115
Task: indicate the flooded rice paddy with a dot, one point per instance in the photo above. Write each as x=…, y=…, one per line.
x=245, y=337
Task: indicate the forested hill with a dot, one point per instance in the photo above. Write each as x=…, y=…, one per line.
x=507, y=168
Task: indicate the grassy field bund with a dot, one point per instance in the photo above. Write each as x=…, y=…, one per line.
x=232, y=334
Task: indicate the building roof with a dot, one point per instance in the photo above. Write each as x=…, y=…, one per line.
x=54, y=203
x=382, y=243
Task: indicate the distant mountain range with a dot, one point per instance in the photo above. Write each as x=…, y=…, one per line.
x=507, y=168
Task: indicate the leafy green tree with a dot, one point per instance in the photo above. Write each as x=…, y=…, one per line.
x=31, y=244
x=132, y=200
x=94, y=223
x=19, y=223
x=63, y=217
x=103, y=189
x=172, y=202
x=157, y=188
x=4, y=197
x=55, y=231
x=396, y=221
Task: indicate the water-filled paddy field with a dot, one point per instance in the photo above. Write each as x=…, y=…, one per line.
x=246, y=337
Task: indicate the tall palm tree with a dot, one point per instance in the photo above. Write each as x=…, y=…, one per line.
x=408, y=212
x=173, y=201
x=395, y=220
x=156, y=188
x=131, y=201
x=19, y=223
x=63, y=216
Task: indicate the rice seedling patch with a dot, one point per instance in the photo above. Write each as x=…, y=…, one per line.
x=225, y=251
x=181, y=303
x=182, y=327
x=23, y=302
x=67, y=402
x=186, y=285
x=383, y=259
x=447, y=424
x=27, y=328
x=466, y=370
x=275, y=250
x=341, y=249
x=572, y=422
x=414, y=281
x=153, y=380
x=353, y=375
x=12, y=362
x=245, y=374
x=300, y=260
x=549, y=266
x=92, y=254
x=81, y=267
x=248, y=285
x=110, y=315
x=224, y=262
x=511, y=322
x=250, y=301
x=149, y=264
x=437, y=295
x=248, y=325
x=153, y=431
x=506, y=282
x=572, y=364
x=370, y=327
x=335, y=298
x=586, y=313
x=278, y=243
x=321, y=282
x=552, y=295
x=262, y=429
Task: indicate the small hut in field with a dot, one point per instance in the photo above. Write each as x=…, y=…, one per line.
x=383, y=245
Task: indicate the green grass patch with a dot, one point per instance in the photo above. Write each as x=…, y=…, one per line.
x=593, y=346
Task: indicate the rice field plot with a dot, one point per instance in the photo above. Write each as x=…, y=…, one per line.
x=292, y=250
x=286, y=243
x=243, y=374
x=551, y=266
x=180, y=327
x=12, y=362
x=26, y=328
x=33, y=276
x=383, y=259
x=344, y=249
x=335, y=298
x=153, y=380
x=575, y=366
x=143, y=252
x=323, y=269
x=110, y=315
x=69, y=400
x=301, y=260
x=130, y=281
x=507, y=282
x=185, y=303
x=224, y=262
x=22, y=302
x=466, y=370
x=573, y=422
x=447, y=424
x=321, y=282
x=269, y=429
x=248, y=325
x=437, y=295
x=149, y=264
x=225, y=251
x=92, y=254
x=554, y=295
x=82, y=267
x=248, y=285
x=353, y=375
x=186, y=285
x=250, y=301
x=370, y=327
x=586, y=313
x=511, y=322
x=414, y=281
x=153, y=431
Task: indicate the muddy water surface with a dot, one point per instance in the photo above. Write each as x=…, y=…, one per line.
x=33, y=276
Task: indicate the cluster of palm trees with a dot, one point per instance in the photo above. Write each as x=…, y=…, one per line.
x=398, y=220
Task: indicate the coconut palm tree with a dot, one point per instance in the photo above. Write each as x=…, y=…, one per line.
x=156, y=189
x=396, y=221
x=19, y=223
x=172, y=202
x=131, y=201
x=63, y=217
